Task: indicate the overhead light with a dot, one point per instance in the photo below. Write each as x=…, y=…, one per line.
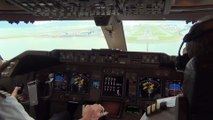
x=50, y=4
x=41, y=4
x=24, y=4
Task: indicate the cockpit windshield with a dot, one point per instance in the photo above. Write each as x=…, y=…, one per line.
x=155, y=36
x=143, y=36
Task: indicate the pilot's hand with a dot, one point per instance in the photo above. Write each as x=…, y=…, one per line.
x=93, y=112
x=15, y=94
x=15, y=91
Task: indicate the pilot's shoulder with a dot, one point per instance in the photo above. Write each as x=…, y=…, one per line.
x=4, y=94
x=160, y=105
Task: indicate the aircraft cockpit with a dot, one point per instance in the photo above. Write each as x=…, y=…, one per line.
x=123, y=82
x=131, y=62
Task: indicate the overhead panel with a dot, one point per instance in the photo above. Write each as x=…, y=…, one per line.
x=62, y=9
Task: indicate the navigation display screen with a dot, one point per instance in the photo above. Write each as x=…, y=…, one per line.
x=149, y=87
x=79, y=82
x=173, y=87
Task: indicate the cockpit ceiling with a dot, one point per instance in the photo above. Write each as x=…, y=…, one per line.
x=27, y=10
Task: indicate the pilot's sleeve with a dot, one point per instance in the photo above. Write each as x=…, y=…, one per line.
x=11, y=109
x=144, y=117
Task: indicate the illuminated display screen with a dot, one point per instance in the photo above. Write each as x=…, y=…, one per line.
x=112, y=86
x=96, y=84
x=173, y=87
x=60, y=81
x=79, y=82
x=113, y=107
x=149, y=87
x=59, y=77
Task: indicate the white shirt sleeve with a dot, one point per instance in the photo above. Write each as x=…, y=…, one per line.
x=144, y=117
x=11, y=109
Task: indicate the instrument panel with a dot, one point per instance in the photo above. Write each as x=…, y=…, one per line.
x=123, y=82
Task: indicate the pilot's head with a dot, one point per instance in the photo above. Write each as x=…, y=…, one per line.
x=198, y=73
x=199, y=40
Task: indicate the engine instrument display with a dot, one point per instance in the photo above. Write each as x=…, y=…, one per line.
x=112, y=86
x=149, y=87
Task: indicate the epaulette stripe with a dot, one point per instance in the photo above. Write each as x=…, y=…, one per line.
x=158, y=106
x=148, y=110
x=155, y=108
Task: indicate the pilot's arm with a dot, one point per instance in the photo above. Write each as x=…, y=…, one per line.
x=164, y=109
x=11, y=109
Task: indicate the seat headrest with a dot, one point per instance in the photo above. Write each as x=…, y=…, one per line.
x=198, y=87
